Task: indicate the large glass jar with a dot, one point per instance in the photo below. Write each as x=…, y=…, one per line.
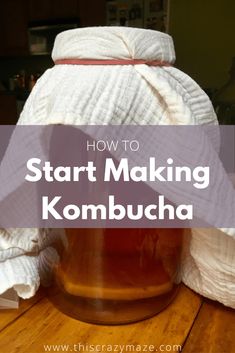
x=113, y=276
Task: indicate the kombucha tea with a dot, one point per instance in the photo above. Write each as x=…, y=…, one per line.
x=114, y=276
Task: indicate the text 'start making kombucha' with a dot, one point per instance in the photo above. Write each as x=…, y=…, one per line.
x=113, y=276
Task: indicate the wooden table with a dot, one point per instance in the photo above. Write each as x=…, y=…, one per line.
x=192, y=322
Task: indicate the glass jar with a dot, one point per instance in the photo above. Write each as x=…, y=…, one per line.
x=116, y=276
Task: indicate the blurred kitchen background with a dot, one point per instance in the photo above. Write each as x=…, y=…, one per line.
x=203, y=33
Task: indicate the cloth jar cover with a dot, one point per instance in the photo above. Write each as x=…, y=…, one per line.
x=114, y=94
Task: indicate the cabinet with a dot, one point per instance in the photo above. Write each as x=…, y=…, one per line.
x=13, y=27
x=65, y=8
x=40, y=10
x=16, y=16
x=52, y=10
x=92, y=12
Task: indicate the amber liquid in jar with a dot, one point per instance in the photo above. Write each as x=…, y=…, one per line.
x=113, y=276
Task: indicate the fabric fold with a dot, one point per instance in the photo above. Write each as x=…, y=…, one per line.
x=27, y=257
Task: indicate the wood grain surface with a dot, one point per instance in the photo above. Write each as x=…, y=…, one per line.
x=213, y=331
x=8, y=316
x=195, y=324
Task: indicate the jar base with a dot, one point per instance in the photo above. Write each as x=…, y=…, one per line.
x=109, y=312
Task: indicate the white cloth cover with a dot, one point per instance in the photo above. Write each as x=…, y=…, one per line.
x=73, y=94
x=26, y=256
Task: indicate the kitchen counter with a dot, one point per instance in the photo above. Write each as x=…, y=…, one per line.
x=196, y=324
